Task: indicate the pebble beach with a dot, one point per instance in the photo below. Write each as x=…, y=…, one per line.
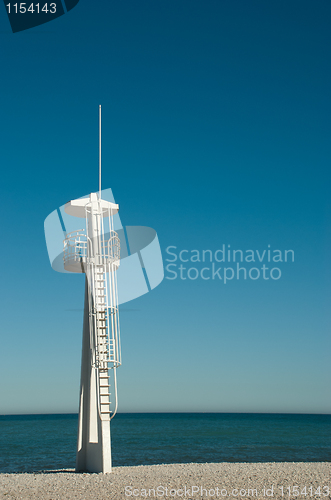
x=281, y=480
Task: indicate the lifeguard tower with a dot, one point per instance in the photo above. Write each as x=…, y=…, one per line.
x=95, y=251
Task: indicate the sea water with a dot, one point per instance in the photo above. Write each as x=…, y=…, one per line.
x=44, y=442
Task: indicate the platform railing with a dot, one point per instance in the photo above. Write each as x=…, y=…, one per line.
x=75, y=248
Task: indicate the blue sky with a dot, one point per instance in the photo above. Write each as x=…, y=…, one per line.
x=216, y=130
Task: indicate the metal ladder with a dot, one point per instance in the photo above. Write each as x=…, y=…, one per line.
x=104, y=348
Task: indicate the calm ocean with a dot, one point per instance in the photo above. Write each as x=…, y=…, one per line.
x=39, y=442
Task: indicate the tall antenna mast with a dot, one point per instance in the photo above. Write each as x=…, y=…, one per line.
x=99, y=151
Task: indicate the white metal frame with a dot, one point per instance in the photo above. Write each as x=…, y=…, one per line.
x=99, y=259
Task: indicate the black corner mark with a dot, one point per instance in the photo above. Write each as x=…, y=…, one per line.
x=70, y=4
x=26, y=15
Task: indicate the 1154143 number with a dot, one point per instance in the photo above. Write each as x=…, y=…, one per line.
x=23, y=8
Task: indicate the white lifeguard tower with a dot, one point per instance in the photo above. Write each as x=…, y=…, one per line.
x=95, y=251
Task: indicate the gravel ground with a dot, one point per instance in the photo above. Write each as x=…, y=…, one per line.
x=189, y=481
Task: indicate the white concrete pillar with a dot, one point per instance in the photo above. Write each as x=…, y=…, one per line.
x=93, y=444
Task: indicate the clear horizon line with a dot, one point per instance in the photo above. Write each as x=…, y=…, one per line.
x=177, y=412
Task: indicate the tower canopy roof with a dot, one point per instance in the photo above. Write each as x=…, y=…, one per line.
x=77, y=208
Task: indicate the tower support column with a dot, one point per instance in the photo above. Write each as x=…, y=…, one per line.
x=93, y=443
